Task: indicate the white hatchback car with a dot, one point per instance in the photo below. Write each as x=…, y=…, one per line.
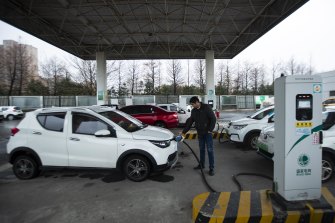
x=89, y=137
x=246, y=130
x=182, y=114
x=11, y=112
x=266, y=140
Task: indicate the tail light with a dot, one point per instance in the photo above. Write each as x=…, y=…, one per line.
x=217, y=113
x=14, y=131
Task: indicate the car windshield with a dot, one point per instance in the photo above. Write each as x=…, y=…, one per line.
x=328, y=120
x=260, y=114
x=127, y=122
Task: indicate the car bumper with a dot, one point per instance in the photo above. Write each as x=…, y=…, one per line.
x=171, y=162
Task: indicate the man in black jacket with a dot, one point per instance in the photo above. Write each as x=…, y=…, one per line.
x=204, y=119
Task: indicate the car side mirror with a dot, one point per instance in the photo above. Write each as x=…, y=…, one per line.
x=104, y=133
x=271, y=120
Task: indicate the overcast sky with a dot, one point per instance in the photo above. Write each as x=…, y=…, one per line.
x=308, y=36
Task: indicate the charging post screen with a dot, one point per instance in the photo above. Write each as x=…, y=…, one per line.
x=304, y=107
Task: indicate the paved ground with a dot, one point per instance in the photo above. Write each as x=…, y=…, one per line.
x=106, y=196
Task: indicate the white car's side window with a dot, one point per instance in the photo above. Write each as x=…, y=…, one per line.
x=52, y=121
x=86, y=124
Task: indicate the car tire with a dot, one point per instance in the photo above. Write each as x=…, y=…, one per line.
x=25, y=167
x=160, y=124
x=10, y=117
x=136, y=168
x=251, y=141
x=327, y=168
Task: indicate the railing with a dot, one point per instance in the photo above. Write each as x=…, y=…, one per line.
x=222, y=101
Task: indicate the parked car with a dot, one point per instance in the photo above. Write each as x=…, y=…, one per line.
x=183, y=115
x=11, y=112
x=329, y=102
x=266, y=139
x=152, y=115
x=116, y=106
x=96, y=136
x=246, y=130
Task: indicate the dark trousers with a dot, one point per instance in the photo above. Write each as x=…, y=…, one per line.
x=204, y=140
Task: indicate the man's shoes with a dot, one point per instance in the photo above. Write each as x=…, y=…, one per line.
x=198, y=167
x=211, y=172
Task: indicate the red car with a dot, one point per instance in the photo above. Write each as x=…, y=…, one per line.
x=152, y=115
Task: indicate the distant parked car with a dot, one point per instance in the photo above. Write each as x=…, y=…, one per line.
x=11, y=112
x=91, y=137
x=182, y=114
x=111, y=105
x=152, y=115
x=247, y=130
x=329, y=102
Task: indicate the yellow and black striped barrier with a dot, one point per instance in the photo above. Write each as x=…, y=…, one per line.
x=257, y=206
x=216, y=135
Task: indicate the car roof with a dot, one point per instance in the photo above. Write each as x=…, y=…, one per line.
x=96, y=109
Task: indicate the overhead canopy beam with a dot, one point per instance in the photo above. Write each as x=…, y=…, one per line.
x=159, y=29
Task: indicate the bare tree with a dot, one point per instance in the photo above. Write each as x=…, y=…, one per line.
x=174, y=74
x=200, y=74
x=238, y=80
x=54, y=70
x=256, y=78
x=133, y=77
x=220, y=76
x=275, y=70
x=86, y=74
x=247, y=67
x=150, y=76
x=227, y=79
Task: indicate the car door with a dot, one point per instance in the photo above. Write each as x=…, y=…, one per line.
x=47, y=138
x=86, y=149
x=146, y=114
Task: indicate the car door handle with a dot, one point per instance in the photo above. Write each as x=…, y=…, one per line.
x=37, y=133
x=74, y=139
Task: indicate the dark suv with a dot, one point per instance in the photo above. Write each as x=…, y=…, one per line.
x=152, y=115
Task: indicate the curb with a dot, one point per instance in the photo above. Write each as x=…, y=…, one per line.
x=258, y=206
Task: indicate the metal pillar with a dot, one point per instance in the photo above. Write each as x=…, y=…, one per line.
x=101, y=79
x=210, y=86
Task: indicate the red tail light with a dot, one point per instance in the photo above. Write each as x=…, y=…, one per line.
x=14, y=131
x=217, y=113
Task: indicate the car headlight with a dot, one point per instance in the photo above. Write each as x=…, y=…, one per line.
x=161, y=144
x=238, y=127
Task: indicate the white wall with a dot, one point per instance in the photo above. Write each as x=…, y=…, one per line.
x=328, y=80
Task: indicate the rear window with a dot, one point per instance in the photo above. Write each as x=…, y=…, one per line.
x=52, y=121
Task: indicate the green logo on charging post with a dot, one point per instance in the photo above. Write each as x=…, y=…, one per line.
x=303, y=160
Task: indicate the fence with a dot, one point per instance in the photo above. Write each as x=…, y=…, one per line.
x=222, y=101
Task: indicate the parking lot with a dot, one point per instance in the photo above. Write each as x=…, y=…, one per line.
x=107, y=196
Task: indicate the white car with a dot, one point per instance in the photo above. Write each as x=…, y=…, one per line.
x=11, y=112
x=89, y=137
x=183, y=115
x=266, y=139
x=246, y=130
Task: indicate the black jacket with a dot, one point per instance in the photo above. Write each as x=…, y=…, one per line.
x=204, y=119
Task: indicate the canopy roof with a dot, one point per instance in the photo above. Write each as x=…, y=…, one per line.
x=144, y=29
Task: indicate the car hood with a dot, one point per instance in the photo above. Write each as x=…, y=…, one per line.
x=244, y=121
x=153, y=133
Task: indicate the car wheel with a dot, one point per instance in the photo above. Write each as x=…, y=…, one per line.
x=136, y=168
x=25, y=168
x=10, y=117
x=160, y=124
x=327, y=168
x=251, y=141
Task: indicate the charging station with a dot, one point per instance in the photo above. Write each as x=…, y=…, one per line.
x=297, y=148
